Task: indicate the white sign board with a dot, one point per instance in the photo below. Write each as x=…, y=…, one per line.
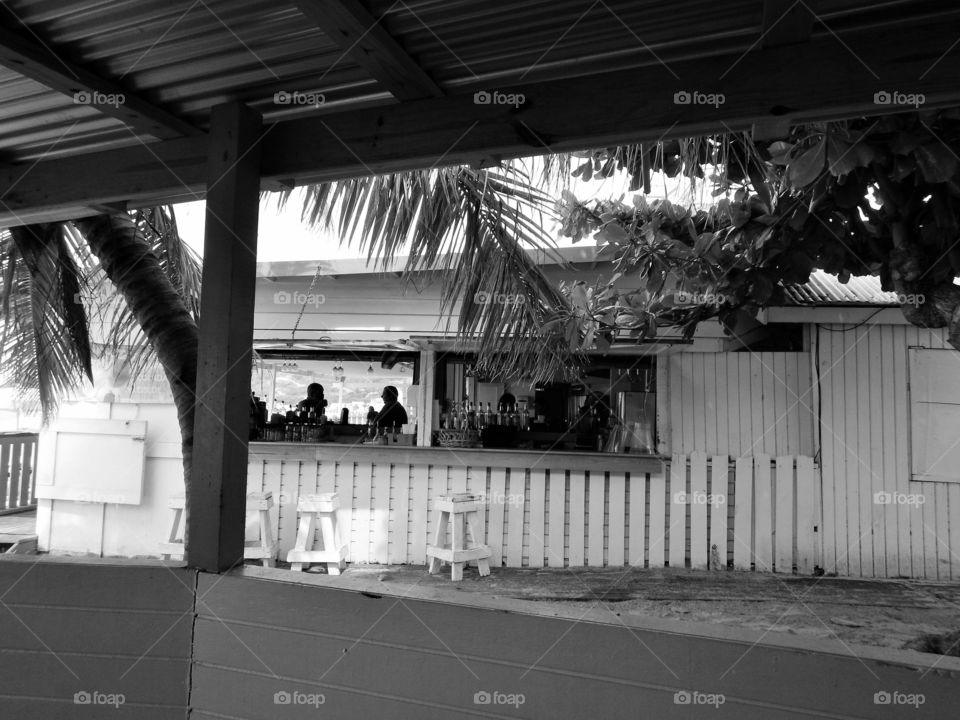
x=100, y=461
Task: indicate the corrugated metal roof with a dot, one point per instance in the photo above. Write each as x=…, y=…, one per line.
x=188, y=55
x=826, y=289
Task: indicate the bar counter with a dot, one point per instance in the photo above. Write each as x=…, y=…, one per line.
x=544, y=508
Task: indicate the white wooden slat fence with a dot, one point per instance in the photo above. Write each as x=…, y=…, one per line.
x=758, y=512
x=18, y=461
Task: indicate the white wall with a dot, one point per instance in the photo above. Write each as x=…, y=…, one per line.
x=735, y=403
x=81, y=528
x=866, y=447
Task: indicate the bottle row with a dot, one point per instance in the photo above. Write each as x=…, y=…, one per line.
x=468, y=415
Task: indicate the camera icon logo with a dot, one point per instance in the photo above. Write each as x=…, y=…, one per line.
x=882, y=97
x=682, y=97
x=82, y=698
x=881, y=698
x=482, y=97
x=482, y=297
x=281, y=97
x=82, y=97
x=282, y=697
x=882, y=498
x=282, y=297
x=482, y=697
x=682, y=697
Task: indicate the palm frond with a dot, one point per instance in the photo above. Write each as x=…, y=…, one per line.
x=124, y=338
x=470, y=229
x=45, y=344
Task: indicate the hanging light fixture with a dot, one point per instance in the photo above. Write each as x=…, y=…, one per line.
x=370, y=369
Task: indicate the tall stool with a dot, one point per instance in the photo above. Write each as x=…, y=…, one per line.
x=459, y=513
x=323, y=509
x=265, y=548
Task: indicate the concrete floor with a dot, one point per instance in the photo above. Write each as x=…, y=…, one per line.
x=877, y=613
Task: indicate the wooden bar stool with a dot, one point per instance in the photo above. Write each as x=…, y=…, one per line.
x=459, y=513
x=323, y=509
x=264, y=549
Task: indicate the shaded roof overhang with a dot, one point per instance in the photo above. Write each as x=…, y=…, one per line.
x=398, y=83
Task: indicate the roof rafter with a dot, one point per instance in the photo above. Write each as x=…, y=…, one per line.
x=366, y=42
x=818, y=80
x=786, y=22
x=31, y=59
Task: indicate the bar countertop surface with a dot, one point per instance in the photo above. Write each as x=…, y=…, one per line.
x=397, y=454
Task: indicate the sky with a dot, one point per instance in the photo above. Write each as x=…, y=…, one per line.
x=284, y=237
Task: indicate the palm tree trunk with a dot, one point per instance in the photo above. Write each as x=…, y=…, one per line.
x=135, y=271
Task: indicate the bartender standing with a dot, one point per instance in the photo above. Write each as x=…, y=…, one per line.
x=392, y=414
x=314, y=400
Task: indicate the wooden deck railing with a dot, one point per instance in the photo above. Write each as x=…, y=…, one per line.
x=18, y=461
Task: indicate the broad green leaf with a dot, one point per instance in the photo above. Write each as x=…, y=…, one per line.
x=808, y=166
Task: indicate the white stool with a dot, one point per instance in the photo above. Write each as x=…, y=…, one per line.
x=264, y=549
x=323, y=509
x=459, y=513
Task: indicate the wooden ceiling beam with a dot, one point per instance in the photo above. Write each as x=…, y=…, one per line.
x=31, y=59
x=365, y=40
x=786, y=22
x=819, y=80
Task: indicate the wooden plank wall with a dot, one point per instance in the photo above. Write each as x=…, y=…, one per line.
x=739, y=403
x=18, y=462
x=267, y=649
x=544, y=517
x=865, y=440
x=557, y=517
x=90, y=628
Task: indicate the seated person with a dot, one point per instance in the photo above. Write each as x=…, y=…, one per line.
x=392, y=413
x=314, y=400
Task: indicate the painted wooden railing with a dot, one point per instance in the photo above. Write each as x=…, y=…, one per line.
x=18, y=459
x=558, y=510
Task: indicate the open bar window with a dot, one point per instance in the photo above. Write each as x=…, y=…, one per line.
x=612, y=408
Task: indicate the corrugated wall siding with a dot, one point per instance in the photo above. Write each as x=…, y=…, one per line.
x=865, y=440
x=738, y=403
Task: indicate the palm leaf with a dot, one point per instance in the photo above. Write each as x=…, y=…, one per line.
x=124, y=338
x=470, y=230
x=45, y=344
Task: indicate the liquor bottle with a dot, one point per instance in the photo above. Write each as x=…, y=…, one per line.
x=471, y=417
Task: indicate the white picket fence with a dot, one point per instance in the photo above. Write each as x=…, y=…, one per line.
x=758, y=512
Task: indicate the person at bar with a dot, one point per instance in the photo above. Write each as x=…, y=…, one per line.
x=392, y=414
x=314, y=400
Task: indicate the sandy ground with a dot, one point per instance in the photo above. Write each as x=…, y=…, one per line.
x=880, y=613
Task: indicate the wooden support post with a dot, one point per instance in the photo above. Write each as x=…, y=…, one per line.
x=428, y=368
x=217, y=493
